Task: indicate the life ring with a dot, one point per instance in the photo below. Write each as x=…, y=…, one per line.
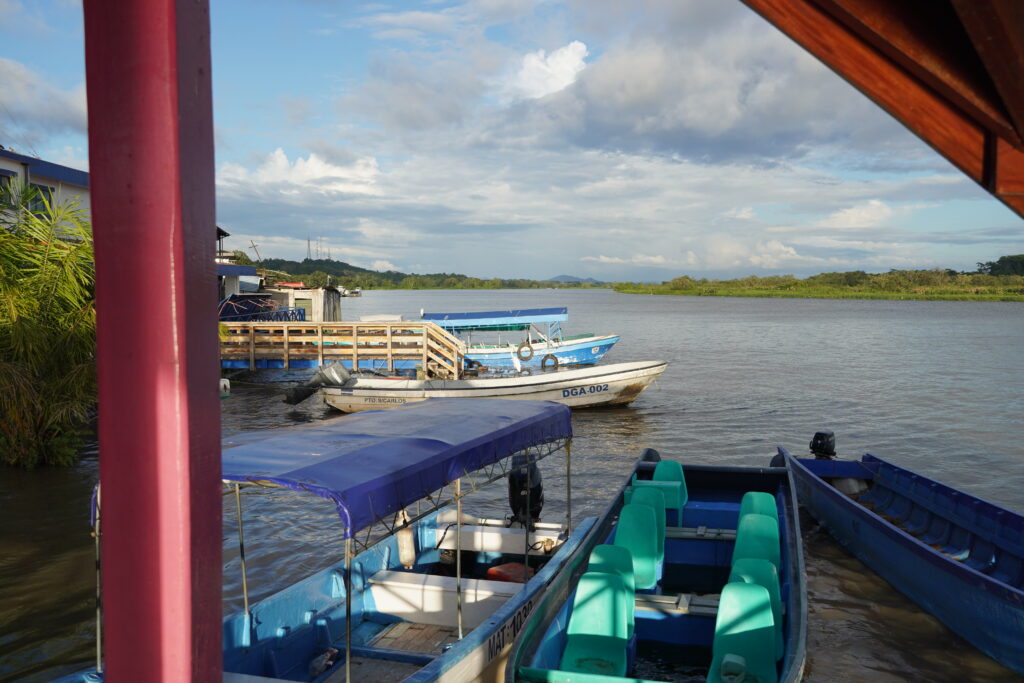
x=550, y=357
x=525, y=372
x=525, y=351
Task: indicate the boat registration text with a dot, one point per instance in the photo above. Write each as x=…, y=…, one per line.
x=580, y=391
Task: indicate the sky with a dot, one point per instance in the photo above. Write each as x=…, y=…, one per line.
x=532, y=138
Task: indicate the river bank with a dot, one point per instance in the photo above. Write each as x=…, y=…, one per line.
x=818, y=294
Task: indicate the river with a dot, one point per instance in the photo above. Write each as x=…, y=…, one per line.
x=937, y=387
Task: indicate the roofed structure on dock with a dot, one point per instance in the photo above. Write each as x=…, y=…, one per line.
x=952, y=71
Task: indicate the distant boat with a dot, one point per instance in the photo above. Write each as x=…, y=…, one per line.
x=957, y=556
x=616, y=384
x=541, y=347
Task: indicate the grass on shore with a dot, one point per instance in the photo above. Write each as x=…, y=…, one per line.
x=923, y=285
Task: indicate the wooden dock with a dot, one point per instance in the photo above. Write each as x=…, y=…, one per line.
x=364, y=345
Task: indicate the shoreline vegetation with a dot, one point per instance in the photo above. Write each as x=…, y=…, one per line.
x=921, y=285
x=1000, y=280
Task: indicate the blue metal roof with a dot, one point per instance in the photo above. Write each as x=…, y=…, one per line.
x=224, y=269
x=373, y=464
x=504, y=320
x=48, y=169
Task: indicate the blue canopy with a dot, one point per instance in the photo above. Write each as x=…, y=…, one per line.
x=519, y=319
x=375, y=463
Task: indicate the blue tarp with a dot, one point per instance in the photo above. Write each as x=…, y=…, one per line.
x=373, y=464
x=488, y=320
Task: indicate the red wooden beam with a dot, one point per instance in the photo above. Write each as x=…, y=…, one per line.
x=152, y=195
x=978, y=150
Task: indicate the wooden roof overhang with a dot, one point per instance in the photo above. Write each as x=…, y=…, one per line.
x=952, y=71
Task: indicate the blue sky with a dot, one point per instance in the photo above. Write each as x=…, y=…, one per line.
x=527, y=138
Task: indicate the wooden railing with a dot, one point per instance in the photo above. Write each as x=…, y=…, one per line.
x=381, y=346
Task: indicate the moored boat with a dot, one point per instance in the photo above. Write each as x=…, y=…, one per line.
x=543, y=345
x=711, y=582
x=616, y=384
x=425, y=591
x=959, y=557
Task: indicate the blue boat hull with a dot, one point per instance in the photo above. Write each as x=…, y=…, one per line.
x=986, y=612
x=571, y=353
x=583, y=352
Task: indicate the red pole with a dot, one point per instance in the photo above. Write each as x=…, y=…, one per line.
x=152, y=194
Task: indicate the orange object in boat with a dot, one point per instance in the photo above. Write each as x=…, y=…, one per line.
x=510, y=571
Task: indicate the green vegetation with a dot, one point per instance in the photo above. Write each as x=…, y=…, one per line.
x=994, y=284
x=47, y=329
x=314, y=272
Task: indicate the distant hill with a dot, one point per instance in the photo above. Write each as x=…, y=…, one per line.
x=573, y=278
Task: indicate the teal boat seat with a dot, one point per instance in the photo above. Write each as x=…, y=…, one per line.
x=614, y=559
x=596, y=637
x=757, y=536
x=669, y=489
x=744, y=644
x=636, y=532
x=670, y=470
x=653, y=499
x=762, y=573
x=760, y=503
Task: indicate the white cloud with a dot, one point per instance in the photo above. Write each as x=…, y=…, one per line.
x=382, y=265
x=33, y=110
x=745, y=213
x=865, y=215
x=542, y=74
x=277, y=174
x=636, y=260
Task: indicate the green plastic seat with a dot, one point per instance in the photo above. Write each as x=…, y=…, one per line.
x=636, y=531
x=762, y=573
x=614, y=559
x=744, y=644
x=670, y=470
x=758, y=502
x=758, y=536
x=596, y=638
x=653, y=499
x=669, y=489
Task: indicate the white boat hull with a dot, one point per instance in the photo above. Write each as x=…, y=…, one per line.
x=616, y=384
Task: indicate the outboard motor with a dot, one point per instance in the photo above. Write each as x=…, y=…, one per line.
x=517, y=493
x=823, y=445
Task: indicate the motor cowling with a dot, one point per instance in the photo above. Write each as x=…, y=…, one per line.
x=823, y=445
x=525, y=473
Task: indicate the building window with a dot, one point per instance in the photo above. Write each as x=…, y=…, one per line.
x=43, y=195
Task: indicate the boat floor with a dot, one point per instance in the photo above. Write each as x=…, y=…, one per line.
x=367, y=670
x=408, y=637
x=413, y=637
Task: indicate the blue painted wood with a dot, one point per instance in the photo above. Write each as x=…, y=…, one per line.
x=958, y=556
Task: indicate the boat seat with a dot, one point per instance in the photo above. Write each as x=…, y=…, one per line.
x=744, y=644
x=1009, y=569
x=653, y=499
x=762, y=573
x=596, y=637
x=671, y=490
x=670, y=470
x=614, y=559
x=758, y=536
x=760, y=503
x=635, y=531
x=430, y=599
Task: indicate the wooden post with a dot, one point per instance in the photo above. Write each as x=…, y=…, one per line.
x=286, y=352
x=391, y=355
x=152, y=202
x=355, y=348
x=252, y=346
x=320, y=345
